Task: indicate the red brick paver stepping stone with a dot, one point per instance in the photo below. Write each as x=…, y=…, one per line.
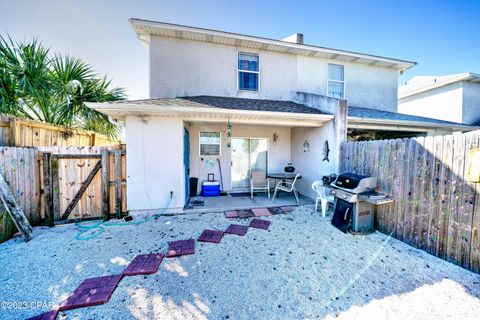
x=214, y=236
x=261, y=212
x=50, y=315
x=91, y=292
x=231, y=214
x=245, y=213
x=276, y=210
x=260, y=224
x=237, y=229
x=181, y=248
x=144, y=264
x=288, y=209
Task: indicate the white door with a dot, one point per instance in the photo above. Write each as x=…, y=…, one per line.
x=248, y=154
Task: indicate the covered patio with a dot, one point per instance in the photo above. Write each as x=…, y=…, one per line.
x=243, y=201
x=224, y=140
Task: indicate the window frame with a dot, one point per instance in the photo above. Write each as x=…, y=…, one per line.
x=219, y=144
x=247, y=71
x=336, y=81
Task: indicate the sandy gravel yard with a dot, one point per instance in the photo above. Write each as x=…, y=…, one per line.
x=301, y=268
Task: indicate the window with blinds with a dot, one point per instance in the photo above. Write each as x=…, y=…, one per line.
x=210, y=143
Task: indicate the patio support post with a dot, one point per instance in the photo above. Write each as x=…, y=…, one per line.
x=340, y=128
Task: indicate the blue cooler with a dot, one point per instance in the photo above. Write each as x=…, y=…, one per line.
x=211, y=189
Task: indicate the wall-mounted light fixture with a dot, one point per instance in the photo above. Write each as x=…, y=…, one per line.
x=275, y=138
x=306, y=146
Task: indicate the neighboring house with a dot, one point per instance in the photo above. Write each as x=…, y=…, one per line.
x=243, y=103
x=454, y=97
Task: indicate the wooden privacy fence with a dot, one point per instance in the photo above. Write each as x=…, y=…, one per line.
x=28, y=133
x=20, y=168
x=57, y=184
x=436, y=209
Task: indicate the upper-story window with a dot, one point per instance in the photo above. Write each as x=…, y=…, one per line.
x=336, y=81
x=248, y=71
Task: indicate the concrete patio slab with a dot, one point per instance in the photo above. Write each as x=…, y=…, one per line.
x=229, y=203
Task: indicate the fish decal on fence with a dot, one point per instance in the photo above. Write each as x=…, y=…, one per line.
x=326, y=151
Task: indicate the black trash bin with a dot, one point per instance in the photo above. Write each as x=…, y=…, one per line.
x=193, y=186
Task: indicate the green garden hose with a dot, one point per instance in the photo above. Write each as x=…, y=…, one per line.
x=99, y=226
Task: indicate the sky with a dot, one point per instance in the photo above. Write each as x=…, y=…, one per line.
x=441, y=36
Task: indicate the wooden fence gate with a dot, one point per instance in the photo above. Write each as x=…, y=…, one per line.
x=436, y=208
x=83, y=183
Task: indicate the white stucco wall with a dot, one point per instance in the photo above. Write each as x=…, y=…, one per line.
x=155, y=163
x=279, y=154
x=471, y=102
x=365, y=86
x=189, y=68
x=444, y=103
x=310, y=164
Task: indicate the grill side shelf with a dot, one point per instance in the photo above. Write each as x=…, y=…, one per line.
x=375, y=200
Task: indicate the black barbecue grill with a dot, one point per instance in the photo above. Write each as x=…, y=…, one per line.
x=355, y=200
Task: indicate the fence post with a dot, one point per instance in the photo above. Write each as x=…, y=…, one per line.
x=14, y=132
x=48, y=188
x=105, y=185
x=118, y=182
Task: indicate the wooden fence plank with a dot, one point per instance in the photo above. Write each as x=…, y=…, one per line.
x=466, y=206
x=455, y=196
x=48, y=188
x=446, y=198
x=399, y=195
x=11, y=205
x=475, y=234
x=118, y=183
x=438, y=188
x=427, y=189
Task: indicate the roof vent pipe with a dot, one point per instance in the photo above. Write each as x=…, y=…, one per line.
x=294, y=38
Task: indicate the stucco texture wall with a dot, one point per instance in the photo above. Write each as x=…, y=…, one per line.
x=190, y=68
x=155, y=163
x=310, y=164
x=444, y=103
x=279, y=154
x=471, y=102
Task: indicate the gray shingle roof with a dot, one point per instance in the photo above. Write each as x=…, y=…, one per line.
x=394, y=116
x=230, y=103
x=281, y=106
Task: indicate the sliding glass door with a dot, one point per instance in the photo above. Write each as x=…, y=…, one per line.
x=248, y=154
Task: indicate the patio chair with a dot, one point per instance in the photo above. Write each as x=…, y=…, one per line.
x=287, y=186
x=322, y=196
x=259, y=181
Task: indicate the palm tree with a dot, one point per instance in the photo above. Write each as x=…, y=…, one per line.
x=35, y=84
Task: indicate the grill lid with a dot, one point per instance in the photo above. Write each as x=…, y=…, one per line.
x=355, y=183
x=349, y=180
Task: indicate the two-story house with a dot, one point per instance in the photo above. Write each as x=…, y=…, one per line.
x=454, y=97
x=228, y=104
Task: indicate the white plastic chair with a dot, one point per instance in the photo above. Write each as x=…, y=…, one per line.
x=259, y=181
x=287, y=186
x=322, y=196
